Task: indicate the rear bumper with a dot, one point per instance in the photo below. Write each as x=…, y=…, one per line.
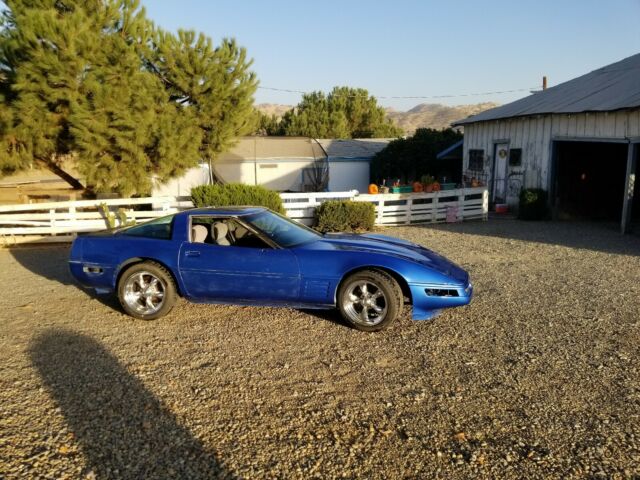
x=92, y=275
x=428, y=299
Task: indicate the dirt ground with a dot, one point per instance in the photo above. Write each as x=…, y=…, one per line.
x=538, y=378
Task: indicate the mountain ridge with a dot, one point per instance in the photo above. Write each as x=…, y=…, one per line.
x=423, y=115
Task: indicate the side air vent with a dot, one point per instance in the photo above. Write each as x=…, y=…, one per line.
x=441, y=292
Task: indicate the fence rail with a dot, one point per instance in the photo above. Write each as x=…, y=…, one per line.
x=61, y=221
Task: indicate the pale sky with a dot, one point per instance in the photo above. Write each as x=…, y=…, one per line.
x=414, y=48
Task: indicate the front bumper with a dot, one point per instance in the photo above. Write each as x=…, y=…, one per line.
x=429, y=299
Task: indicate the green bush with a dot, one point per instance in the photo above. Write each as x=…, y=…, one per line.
x=345, y=216
x=220, y=195
x=533, y=204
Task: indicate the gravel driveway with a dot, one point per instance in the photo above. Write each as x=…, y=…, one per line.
x=538, y=378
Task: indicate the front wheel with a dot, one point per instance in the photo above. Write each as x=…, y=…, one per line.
x=146, y=291
x=369, y=300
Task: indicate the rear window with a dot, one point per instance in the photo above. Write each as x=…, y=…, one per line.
x=160, y=228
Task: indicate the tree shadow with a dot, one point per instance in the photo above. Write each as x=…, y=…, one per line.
x=588, y=235
x=124, y=431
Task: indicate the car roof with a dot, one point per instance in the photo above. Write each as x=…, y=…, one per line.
x=231, y=211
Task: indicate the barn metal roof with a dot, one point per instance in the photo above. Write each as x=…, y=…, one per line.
x=614, y=87
x=353, y=148
x=274, y=148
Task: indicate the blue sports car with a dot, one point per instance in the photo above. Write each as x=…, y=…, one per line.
x=253, y=256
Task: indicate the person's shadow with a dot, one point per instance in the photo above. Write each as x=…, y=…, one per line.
x=123, y=430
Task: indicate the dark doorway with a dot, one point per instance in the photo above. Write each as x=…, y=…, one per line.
x=590, y=180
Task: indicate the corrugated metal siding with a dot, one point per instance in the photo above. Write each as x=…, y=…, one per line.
x=534, y=136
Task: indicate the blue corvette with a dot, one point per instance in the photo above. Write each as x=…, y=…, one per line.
x=253, y=256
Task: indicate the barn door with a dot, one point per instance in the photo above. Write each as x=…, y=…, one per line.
x=500, y=161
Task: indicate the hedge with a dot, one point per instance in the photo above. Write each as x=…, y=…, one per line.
x=345, y=216
x=533, y=204
x=220, y=195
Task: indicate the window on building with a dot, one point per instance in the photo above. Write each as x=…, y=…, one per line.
x=476, y=160
x=515, y=157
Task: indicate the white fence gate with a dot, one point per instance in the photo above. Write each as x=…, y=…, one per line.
x=61, y=221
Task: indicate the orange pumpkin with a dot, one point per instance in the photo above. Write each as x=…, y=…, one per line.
x=417, y=187
x=436, y=186
x=373, y=189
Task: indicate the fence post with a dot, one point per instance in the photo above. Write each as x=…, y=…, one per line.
x=72, y=213
x=409, y=211
x=434, y=206
x=380, y=210
x=461, y=205
x=52, y=220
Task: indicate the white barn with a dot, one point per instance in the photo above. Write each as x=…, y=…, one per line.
x=578, y=140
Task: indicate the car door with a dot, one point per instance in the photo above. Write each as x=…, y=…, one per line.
x=244, y=274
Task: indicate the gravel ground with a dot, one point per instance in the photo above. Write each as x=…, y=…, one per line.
x=537, y=378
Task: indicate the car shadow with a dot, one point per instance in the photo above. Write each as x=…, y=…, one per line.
x=51, y=262
x=329, y=315
x=124, y=431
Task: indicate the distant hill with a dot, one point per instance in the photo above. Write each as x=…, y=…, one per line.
x=273, y=109
x=425, y=115
x=434, y=115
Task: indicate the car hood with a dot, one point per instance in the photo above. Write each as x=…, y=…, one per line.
x=383, y=244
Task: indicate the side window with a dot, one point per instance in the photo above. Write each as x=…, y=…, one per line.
x=223, y=232
x=515, y=157
x=476, y=160
x=160, y=228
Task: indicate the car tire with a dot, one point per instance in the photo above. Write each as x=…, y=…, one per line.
x=398, y=289
x=146, y=291
x=369, y=300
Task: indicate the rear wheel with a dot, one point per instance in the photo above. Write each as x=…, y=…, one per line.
x=370, y=300
x=146, y=291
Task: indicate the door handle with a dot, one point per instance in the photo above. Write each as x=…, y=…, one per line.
x=192, y=253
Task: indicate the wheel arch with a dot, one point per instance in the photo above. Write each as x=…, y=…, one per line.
x=404, y=286
x=135, y=260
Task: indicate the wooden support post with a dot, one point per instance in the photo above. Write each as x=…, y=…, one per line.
x=629, y=187
x=409, y=211
x=485, y=205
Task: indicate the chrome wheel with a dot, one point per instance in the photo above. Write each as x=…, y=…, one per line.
x=144, y=293
x=365, y=303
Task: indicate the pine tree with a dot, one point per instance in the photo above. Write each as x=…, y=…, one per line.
x=215, y=85
x=90, y=79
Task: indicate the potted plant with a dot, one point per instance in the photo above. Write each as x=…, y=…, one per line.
x=427, y=183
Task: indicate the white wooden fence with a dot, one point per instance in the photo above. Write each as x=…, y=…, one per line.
x=61, y=221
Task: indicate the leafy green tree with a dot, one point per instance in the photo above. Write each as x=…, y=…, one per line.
x=82, y=79
x=268, y=125
x=411, y=158
x=344, y=113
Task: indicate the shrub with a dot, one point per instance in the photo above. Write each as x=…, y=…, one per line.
x=533, y=204
x=220, y=195
x=345, y=216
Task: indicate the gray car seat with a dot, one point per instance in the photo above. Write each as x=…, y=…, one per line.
x=199, y=233
x=219, y=232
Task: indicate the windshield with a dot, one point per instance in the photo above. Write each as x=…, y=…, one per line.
x=281, y=230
